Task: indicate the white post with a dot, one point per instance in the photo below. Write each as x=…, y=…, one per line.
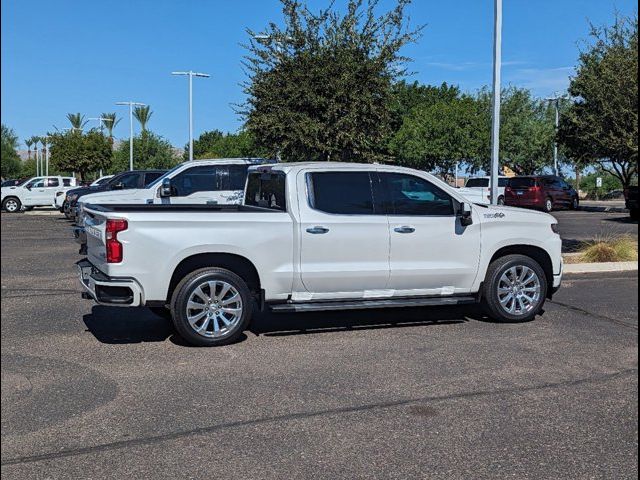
x=495, y=126
x=190, y=115
x=130, y=135
x=456, y=176
x=46, y=155
x=555, y=141
x=37, y=161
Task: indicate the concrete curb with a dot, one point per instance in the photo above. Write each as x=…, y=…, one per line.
x=603, y=209
x=600, y=267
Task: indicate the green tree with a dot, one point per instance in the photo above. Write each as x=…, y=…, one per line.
x=79, y=152
x=77, y=121
x=149, y=151
x=10, y=163
x=110, y=121
x=527, y=129
x=143, y=115
x=28, y=142
x=215, y=144
x=602, y=124
x=320, y=86
x=435, y=136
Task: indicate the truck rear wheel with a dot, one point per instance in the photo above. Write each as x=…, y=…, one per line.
x=515, y=289
x=211, y=307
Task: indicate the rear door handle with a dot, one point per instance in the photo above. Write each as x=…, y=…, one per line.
x=317, y=230
x=404, y=229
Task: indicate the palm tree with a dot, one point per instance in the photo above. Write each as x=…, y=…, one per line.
x=143, y=114
x=76, y=120
x=110, y=121
x=28, y=142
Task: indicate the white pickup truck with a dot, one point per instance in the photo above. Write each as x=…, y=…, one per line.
x=320, y=236
x=35, y=192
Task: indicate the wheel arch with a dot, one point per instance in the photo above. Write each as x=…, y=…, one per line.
x=241, y=266
x=538, y=254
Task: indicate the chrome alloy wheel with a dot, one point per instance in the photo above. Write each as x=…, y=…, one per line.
x=519, y=290
x=11, y=205
x=214, y=309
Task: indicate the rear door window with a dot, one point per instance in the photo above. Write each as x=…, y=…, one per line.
x=53, y=182
x=342, y=193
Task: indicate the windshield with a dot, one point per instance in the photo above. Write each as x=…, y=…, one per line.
x=158, y=180
x=477, y=182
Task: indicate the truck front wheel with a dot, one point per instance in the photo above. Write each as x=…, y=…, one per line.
x=211, y=307
x=11, y=205
x=515, y=289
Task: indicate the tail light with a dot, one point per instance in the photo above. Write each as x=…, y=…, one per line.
x=507, y=189
x=114, y=247
x=537, y=188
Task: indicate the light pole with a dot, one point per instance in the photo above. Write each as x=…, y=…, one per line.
x=131, y=104
x=555, y=100
x=495, y=124
x=191, y=74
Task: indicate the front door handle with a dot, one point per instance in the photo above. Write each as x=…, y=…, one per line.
x=317, y=230
x=404, y=229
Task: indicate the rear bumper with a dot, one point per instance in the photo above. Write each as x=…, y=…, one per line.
x=105, y=290
x=512, y=201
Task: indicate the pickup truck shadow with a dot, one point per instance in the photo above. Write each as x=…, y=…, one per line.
x=283, y=324
x=126, y=325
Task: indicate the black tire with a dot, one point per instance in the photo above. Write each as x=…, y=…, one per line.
x=187, y=287
x=548, y=205
x=490, y=297
x=633, y=213
x=11, y=205
x=575, y=203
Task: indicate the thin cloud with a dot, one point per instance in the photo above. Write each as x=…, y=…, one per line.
x=542, y=80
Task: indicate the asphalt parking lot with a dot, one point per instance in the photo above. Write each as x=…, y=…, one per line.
x=577, y=227
x=97, y=392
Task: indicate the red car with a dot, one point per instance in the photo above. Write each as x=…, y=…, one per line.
x=545, y=192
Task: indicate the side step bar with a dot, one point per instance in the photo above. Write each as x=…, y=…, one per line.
x=380, y=303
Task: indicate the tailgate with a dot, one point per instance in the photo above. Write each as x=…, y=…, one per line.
x=95, y=227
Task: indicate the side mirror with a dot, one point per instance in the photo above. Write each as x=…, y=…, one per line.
x=118, y=186
x=28, y=187
x=165, y=188
x=464, y=213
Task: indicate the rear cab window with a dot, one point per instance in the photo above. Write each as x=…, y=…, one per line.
x=477, y=182
x=266, y=190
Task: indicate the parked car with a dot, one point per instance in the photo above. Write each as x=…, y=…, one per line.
x=631, y=201
x=36, y=192
x=545, y=192
x=478, y=189
x=219, y=181
x=115, y=183
x=320, y=236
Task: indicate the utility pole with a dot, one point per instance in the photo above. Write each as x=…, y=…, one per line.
x=131, y=104
x=556, y=103
x=191, y=74
x=495, y=125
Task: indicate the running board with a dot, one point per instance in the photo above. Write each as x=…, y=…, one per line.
x=363, y=304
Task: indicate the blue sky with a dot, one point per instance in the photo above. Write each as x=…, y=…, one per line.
x=83, y=56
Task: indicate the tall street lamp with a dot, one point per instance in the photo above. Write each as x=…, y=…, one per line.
x=555, y=100
x=495, y=124
x=191, y=74
x=131, y=105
